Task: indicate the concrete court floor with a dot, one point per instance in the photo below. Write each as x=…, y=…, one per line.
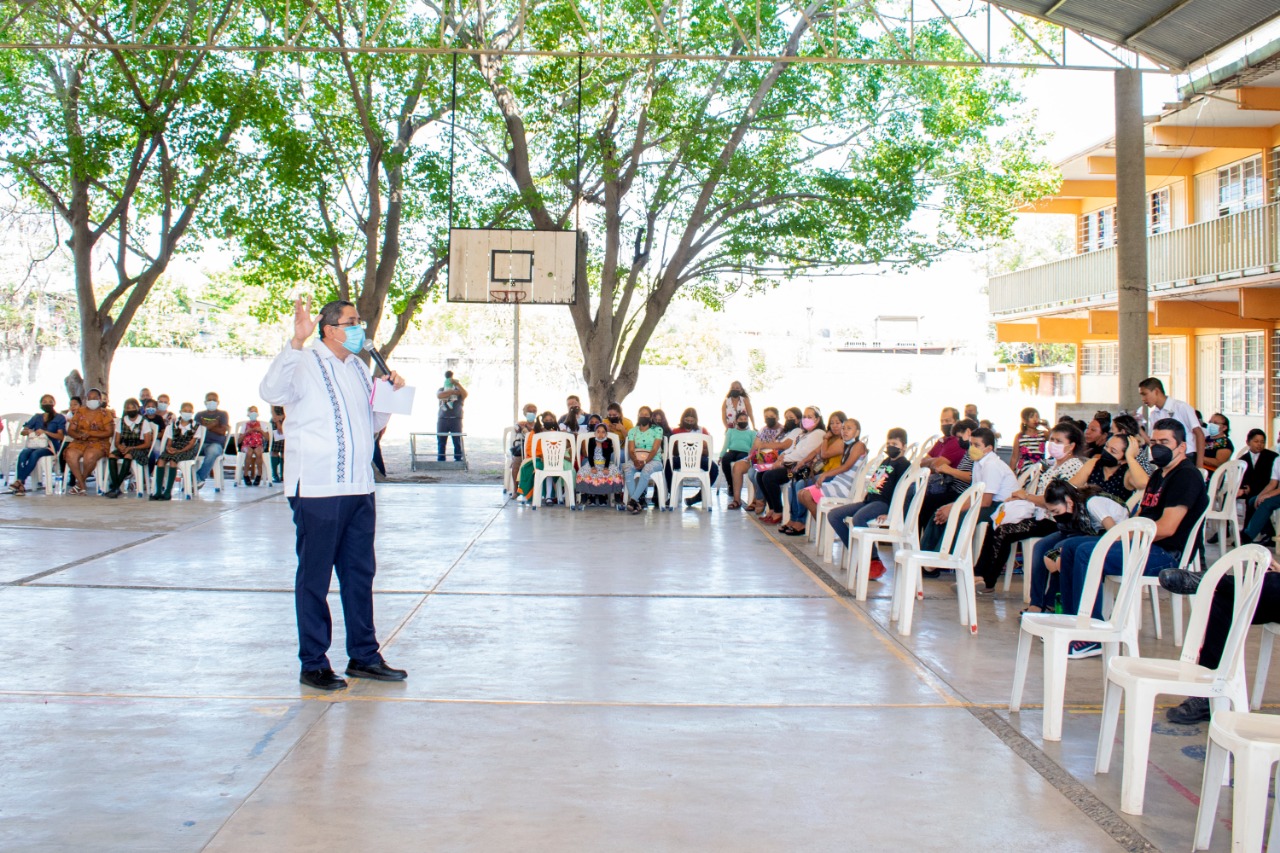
x=578, y=681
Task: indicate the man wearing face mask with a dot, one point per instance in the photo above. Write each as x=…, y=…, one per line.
x=328, y=476
x=997, y=479
x=1174, y=499
x=217, y=424
x=947, y=449
x=575, y=420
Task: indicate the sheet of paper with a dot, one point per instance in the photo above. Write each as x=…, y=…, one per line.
x=387, y=399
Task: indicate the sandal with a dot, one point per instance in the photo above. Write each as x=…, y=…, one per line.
x=770, y=519
x=792, y=531
x=734, y=505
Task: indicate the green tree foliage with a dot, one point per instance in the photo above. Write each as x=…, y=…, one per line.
x=124, y=144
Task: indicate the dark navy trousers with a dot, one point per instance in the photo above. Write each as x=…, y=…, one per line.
x=334, y=534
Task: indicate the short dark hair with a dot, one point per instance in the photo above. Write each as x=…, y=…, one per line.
x=614, y=407
x=899, y=433
x=448, y=374
x=330, y=314
x=1255, y=432
x=988, y=437
x=76, y=399
x=964, y=425
x=955, y=413
x=1151, y=384
x=1172, y=425
x=1103, y=419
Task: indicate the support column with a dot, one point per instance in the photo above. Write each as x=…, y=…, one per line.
x=1131, y=235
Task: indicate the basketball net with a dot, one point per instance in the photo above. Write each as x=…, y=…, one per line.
x=508, y=296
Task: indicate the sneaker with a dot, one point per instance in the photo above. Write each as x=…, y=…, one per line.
x=1080, y=650
x=644, y=503
x=877, y=570
x=692, y=500
x=1194, y=709
x=1180, y=581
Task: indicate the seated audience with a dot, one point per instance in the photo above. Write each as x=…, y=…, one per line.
x=1174, y=499
x=1218, y=447
x=736, y=403
x=835, y=480
x=829, y=451
x=809, y=439
x=599, y=474
x=1028, y=444
x=880, y=490
x=660, y=421
x=738, y=442
x=91, y=428
x=575, y=420
x=689, y=423
x=252, y=441
x=1127, y=425
x=1074, y=512
x=1115, y=470
x=134, y=435
x=769, y=454
x=1063, y=449
x=997, y=480
x=644, y=459
x=1258, y=528
x=948, y=479
x=277, y=444
x=527, y=424
x=764, y=450
x=1259, y=470
x=535, y=459
x=217, y=427
x=43, y=434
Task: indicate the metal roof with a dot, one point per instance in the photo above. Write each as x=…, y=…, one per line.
x=1175, y=33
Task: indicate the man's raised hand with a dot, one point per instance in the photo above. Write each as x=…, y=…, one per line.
x=304, y=325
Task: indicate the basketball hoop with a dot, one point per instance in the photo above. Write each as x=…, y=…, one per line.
x=508, y=296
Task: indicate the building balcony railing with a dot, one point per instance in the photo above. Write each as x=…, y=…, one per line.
x=1242, y=244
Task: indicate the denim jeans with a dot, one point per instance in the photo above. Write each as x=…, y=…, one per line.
x=1076, y=553
x=636, y=480
x=1261, y=519
x=27, y=460
x=1044, y=585
x=862, y=514
x=210, y=453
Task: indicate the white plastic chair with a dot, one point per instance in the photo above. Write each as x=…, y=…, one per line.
x=912, y=452
x=1138, y=680
x=687, y=447
x=955, y=552
x=1059, y=630
x=928, y=443
x=580, y=450
x=1189, y=561
x=900, y=531
x=1221, y=516
x=508, y=438
x=12, y=442
x=826, y=535
x=48, y=474
x=658, y=479
x=238, y=435
x=556, y=452
x=1269, y=632
x=1254, y=741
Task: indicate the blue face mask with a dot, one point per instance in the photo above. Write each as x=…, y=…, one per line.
x=1211, y=429
x=355, y=338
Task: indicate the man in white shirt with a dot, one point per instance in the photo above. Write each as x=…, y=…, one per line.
x=1161, y=406
x=996, y=477
x=327, y=392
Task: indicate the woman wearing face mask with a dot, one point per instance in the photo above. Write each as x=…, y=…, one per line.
x=737, y=402
x=1218, y=447
x=812, y=432
x=252, y=440
x=1066, y=443
x=525, y=426
x=1115, y=471
x=179, y=444
x=1074, y=512
x=835, y=480
x=92, y=429
x=534, y=453
x=738, y=443
x=599, y=476
x=766, y=454
x=689, y=423
x=644, y=459
x=660, y=421
x=43, y=435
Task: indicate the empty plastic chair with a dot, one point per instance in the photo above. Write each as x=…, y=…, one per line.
x=1138, y=680
x=1060, y=630
x=1254, y=741
x=955, y=553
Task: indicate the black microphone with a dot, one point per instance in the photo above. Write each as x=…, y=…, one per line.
x=377, y=357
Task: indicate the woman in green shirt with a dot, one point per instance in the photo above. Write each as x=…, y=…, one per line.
x=644, y=458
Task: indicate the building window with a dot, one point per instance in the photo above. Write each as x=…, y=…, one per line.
x=1099, y=359
x=1098, y=230
x=1275, y=175
x=1159, y=215
x=1241, y=186
x=1242, y=377
x=1161, y=353
x=1275, y=371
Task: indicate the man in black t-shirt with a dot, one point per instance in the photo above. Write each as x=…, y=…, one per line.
x=1175, y=499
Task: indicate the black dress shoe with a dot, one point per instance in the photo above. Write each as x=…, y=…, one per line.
x=322, y=679
x=377, y=670
x=1194, y=709
x=1180, y=581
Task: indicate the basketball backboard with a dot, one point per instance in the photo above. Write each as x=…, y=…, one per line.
x=529, y=267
